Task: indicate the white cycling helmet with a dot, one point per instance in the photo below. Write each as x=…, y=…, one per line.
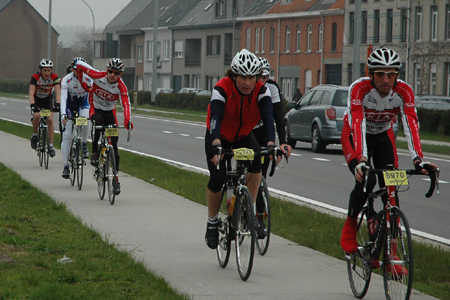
x=246, y=63
x=384, y=58
x=116, y=64
x=46, y=63
x=265, y=65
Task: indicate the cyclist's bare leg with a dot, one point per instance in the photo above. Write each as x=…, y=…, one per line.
x=213, y=200
x=253, y=183
x=36, y=120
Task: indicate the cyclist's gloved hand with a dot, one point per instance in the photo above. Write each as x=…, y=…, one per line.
x=214, y=150
x=128, y=125
x=34, y=107
x=420, y=165
x=56, y=107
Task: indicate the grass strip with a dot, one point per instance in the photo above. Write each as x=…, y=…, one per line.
x=299, y=224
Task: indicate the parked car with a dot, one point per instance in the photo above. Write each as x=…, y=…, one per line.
x=433, y=104
x=317, y=117
x=432, y=98
x=204, y=93
x=188, y=91
x=164, y=90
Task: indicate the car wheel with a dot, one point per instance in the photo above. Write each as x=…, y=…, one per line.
x=289, y=141
x=317, y=144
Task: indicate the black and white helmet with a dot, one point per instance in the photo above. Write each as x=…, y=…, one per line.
x=75, y=60
x=265, y=65
x=246, y=63
x=116, y=64
x=384, y=58
x=45, y=63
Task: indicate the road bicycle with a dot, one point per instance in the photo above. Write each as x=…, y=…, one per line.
x=386, y=232
x=105, y=173
x=76, y=156
x=43, y=139
x=237, y=220
x=263, y=208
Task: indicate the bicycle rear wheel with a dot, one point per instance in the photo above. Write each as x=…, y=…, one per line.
x=72, y=164
x=79, y=164
x=245, y=232
x=111, y=173
x=358, y=264
x=223, y=248
x=398, y=258
x=263, y=213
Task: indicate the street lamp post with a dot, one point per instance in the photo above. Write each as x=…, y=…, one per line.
x=93, y=31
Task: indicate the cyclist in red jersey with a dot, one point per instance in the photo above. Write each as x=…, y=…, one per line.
x=107, y=89
x=373, y=103
x=42, y=84
x=238, y=102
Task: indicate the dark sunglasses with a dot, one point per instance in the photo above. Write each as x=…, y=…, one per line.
x=390, y=75
x=114, y=72
x=265, y=76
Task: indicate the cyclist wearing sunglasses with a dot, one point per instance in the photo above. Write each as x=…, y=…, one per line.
x=107, y=89
x=373, y=103
x=238, y=102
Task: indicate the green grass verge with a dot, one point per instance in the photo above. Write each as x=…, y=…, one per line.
x=299, y=224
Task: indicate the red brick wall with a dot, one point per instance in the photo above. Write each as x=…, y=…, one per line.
x=23, y=40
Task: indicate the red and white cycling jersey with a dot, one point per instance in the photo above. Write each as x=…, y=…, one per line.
x=44, y=88
x=372, y=114
x=104, y=95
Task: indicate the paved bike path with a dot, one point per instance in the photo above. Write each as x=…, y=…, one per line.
x=166, y=232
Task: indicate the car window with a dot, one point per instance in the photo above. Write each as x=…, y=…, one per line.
x=326, y=98
x=340, y=98
x=316, y=98
x=305, y=100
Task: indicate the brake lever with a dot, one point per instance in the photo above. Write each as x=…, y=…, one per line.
x=219, y=153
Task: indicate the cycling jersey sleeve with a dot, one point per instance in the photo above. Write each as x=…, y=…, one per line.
x=266, y=110
x=356, y=118
x=86, y=83
x=90, y=71
x=278, y=116
x=64, y=95
x=125, y=100
x=216, y=107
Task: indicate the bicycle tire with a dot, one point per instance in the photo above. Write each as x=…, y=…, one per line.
x=398, y=259
x=79, y=164
x=100, y=177
x=245, y=232
x=46, y=146
x=224, y=246
x=72, y=165
x=359, y=267
x=39, y=148
x=263, y=212
x=110, y=173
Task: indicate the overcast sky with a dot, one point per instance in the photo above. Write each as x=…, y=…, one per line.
x=76, y=12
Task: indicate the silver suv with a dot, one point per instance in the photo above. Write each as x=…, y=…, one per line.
x=317, y=117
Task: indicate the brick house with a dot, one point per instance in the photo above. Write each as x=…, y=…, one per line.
x=24, y=39
x=301, y=39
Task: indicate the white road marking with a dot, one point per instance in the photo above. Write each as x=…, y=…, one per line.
x=167, y=131
x=184, y=134
x=320, y=159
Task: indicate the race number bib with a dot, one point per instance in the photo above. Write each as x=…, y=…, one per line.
x=111, y=131
x=45, y=112
x=81, y=121
x=244, y=154
x=395, y=177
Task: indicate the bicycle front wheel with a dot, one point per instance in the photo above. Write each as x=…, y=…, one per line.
x=263, y=213
x=45, y=144
x=358, y=264
x=39, y=148
x=398, y=258
x=79, y=164
x=245, y=232
x=111, y=173
x=72, y=163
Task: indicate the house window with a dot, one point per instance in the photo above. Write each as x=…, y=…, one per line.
x=404, y=28
x=99, y=49
x=433, y=79
x=417, y=79
x=333, y=37
x=351, y=17
x=364, y=27
x=247, y=41
x=447, y=22
x=256, y=40
x=139, y=53
x=213, y=45
x=320, y=36
x=418, y=24
x=211, y=82
x=166, y=49
x=263, y=35
x=288, y=38
x=196, y=81
x=272, y=39
x=376, y=26
x=221, y=8
x=149, y=50
x=434, y=22
x=298, y=36
x=350, y=73
x=309, y=40
x=178, y=49
x=389, y=23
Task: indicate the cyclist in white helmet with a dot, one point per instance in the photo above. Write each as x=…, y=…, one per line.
x=373, y=103
x=42, y=85
x=238, y=102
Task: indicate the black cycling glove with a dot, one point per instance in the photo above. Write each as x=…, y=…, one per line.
x=214, y=150
x=420, y=165
x=56, y=107
x=34, y=108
